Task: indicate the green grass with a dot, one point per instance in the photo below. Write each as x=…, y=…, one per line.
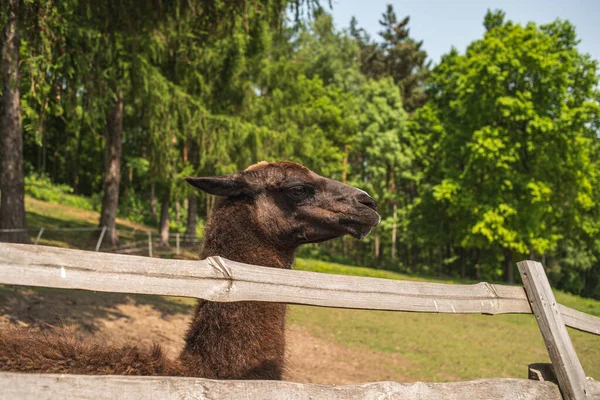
x=435, y=347
x=341, y=269
x=589, y=306
x=43, y=189
x=40, y=213
x=442, y=347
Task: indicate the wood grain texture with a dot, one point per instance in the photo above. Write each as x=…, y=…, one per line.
x=218, y=279
x=592, y=388
x=580, y=320
x=51, y=387
x=566, y=365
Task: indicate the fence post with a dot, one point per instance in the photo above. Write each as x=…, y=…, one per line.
x=39, y=235
x=100, y=238
x=177, y=242
x=568, y=369
x=149, y=244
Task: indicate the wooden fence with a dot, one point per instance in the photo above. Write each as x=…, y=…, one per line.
x=222, y=280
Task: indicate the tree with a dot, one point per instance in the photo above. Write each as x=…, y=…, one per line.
x=163, y=228
x=493, y=19
x=371, y=57
x=327, y=53
x=404, y=59
x=379, y=153
x=398, y=56
x=12, y=185
x=520, y=114
x=112, y=168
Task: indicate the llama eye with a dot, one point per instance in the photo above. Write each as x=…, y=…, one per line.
x=297, y=191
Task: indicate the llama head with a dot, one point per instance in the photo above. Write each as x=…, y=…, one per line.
x=291, y=205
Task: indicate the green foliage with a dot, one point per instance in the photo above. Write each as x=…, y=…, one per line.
x=397, y=56
x=493, y=19
x=500, y=164
x=517, y=158
x=42, y=189
x=380, y=142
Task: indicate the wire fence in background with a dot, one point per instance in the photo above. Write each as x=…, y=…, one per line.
x=177, y=245
x=134, y=242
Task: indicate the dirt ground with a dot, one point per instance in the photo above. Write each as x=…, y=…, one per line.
x=120, y=318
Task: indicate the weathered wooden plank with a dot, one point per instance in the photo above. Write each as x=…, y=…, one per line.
x=217, y=279
x=592, y=389
x=51, y=386
x=580, y=320
x=566, y=365
x=545, y=372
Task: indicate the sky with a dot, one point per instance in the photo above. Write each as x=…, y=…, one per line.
x=442, y=24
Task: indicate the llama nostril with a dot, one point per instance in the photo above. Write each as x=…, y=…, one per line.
x=367, y=200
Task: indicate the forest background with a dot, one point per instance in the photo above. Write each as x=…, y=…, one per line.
x=487, y=158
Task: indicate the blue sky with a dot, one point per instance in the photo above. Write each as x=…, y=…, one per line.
x=442, y=23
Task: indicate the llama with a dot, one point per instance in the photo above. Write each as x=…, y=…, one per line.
x=262, y=216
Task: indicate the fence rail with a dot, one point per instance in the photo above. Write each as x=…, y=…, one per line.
x=218, y=279
x=75, y=229
x=52, y=386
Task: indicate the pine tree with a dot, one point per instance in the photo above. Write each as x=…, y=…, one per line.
x=405, y=60
x=398, y=56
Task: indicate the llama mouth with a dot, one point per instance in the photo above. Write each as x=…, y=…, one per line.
x=323, y=239
x=363, y=234
x=360, y=228
x=357, y=230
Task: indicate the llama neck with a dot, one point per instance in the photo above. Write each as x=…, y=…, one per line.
x=241, y=340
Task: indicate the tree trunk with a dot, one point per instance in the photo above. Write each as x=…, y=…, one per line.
x=415, y=258
x=164, y=219
x=395, y=215
x=462, y=263
x=76, y=162
x=344, y=177
x=112, y=169
x=177, y=211
x=190, y=231
x=44, y=153
x=153, y=200
x=12, y=184
x=508, y=266
x=128, y=189
x=441, y=259
x=345, y=164
x=191, y=153
x=210, y=202
x=377, y=252
x=477, y=266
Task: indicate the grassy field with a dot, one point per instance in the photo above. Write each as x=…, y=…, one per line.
x=49, y=215
x=443, y=347
x=432, y=347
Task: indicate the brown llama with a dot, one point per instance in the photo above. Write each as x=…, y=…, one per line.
x=262, y=216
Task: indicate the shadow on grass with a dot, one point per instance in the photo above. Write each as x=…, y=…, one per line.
x=36, y=220
x=46, y=307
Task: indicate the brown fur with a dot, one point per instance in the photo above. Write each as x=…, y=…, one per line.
x=255, y=222
x=61, y=351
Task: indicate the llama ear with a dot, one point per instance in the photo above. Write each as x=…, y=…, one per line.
x=228, y=185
